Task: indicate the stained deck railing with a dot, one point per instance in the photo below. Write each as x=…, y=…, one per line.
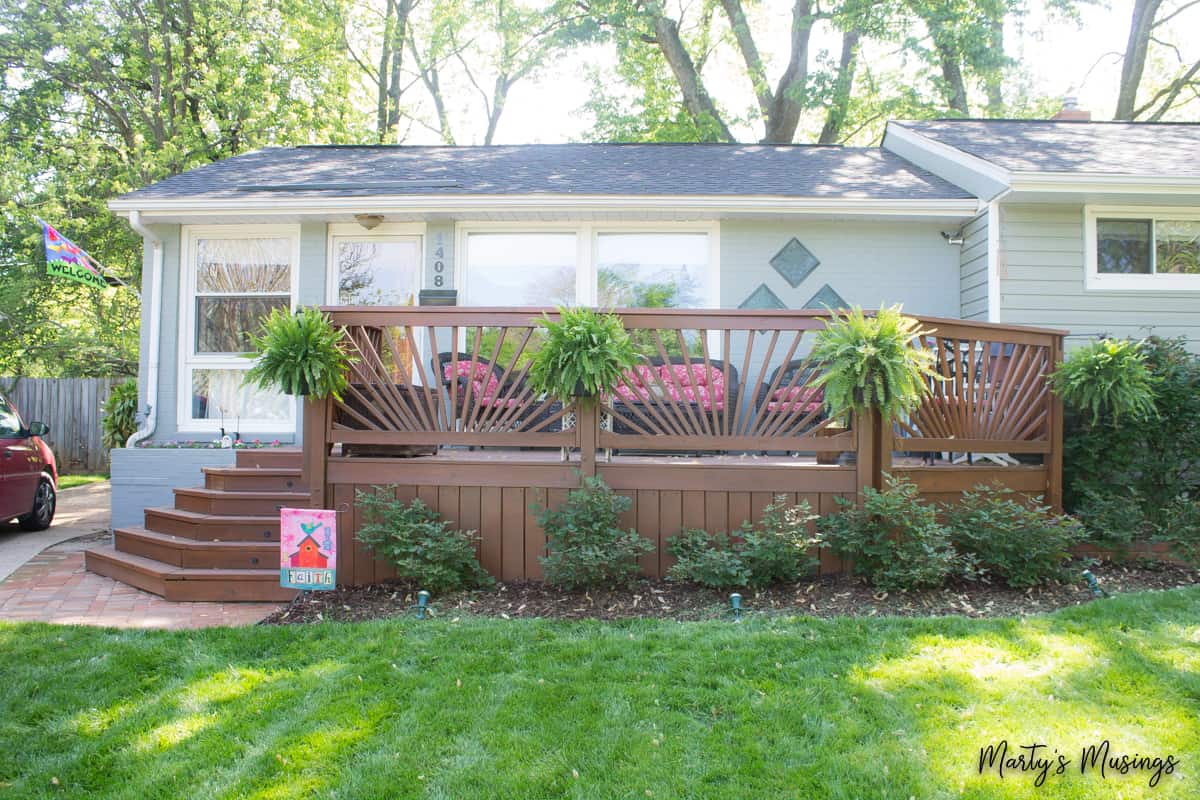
x=722, y=415
x=709, y=382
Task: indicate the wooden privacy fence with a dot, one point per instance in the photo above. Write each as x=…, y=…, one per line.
x=721, y=414
x=71, y=407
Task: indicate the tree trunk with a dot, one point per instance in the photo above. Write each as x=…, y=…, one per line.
x=695, y=97
x=750, y=55
x=786, y=107
x=1134, y=64
x=955, y=90
x=836, y=116
x=994, y=81
x=390, y=79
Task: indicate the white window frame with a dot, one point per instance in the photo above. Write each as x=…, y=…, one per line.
x=1154, y=282
x=190, y=360
x=384, y=232
x=586, y=245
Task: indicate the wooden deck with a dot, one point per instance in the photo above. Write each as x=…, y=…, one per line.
x=703, y=434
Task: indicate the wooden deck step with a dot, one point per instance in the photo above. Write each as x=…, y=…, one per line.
x=269, y=457
x=213, y=527
x=144, y=573
x=254, y=479
x=183, y=584
x=216, y=501
x=180, y=551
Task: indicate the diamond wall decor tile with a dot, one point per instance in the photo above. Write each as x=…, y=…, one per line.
x=794, y=262
x=826, y=297
x=762, y=298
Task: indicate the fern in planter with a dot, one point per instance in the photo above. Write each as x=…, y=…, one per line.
x=583, y=355
x=299, y=354
x=871, y=362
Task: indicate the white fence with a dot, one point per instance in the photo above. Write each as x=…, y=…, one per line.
x=72, y=409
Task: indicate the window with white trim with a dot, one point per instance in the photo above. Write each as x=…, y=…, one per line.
x=1128, y=249
x=586, y=265
x=233, y=278
x=521, y=269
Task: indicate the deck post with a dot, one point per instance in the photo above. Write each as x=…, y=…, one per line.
x=866, y=452
x=587, y=412
x=316, y=448
x=885, y=438
x=1054, y=459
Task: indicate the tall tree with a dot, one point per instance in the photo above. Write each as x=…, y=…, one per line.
x=103, y=96
x=389, y=79
x=1148, y=21
x=470, y=54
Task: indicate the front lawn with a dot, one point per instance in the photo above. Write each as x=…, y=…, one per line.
x=480, y=708
x=82, y=479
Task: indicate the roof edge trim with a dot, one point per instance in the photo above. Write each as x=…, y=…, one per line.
x=460, y=203
x=980, y=166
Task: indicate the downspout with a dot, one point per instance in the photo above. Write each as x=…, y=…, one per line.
x=156, y=272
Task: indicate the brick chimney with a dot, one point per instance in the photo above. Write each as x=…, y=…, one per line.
x=1071, y=112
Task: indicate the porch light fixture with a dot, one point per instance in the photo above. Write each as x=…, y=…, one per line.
x=955, y=238
x=369, y=221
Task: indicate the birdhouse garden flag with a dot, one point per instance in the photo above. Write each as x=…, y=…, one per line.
x=307, y=548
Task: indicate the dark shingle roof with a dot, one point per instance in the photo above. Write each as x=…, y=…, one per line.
x=584, y=169
x=1115, y=148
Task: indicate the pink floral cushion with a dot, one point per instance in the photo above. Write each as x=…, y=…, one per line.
x=484, y=385
x=797, y=399
x=700, y=384
x=703, y=386
x=635, y=384
x=482, y=370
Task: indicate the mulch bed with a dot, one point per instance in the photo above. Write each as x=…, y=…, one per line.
x=829, y=596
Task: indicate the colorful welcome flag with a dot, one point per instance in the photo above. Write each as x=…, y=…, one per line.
x=307, y=548
x=65, y=259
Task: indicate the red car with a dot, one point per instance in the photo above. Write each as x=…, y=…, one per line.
x=28, y=474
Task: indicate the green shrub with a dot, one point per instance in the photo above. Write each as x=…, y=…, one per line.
x=585, y=544
x=1018, y=540
x=775, y=549
x=421, y=546
x=1106, y=378
x=1152, y=459
x=894, y=539
x=706, y=559
x=299, y=354
x=1181, y=528
x=872, y=363
x=582, y=350
x=1113, y=518
x=119, y=420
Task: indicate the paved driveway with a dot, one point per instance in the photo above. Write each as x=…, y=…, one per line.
x=81, y=511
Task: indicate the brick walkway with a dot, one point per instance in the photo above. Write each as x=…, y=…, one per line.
x=54, y=587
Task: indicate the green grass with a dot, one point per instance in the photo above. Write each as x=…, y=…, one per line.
x=70, y=481
x=803, y=708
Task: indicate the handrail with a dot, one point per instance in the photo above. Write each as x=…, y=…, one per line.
x=725, y=391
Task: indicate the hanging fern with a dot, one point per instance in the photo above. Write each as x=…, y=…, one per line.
x=584, y=352
x=873, y=362
x=1107, y=378
x=299, y=354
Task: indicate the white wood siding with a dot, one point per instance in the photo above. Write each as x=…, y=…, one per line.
x=972, y=270
x=1042, y=283
x=871, y=264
